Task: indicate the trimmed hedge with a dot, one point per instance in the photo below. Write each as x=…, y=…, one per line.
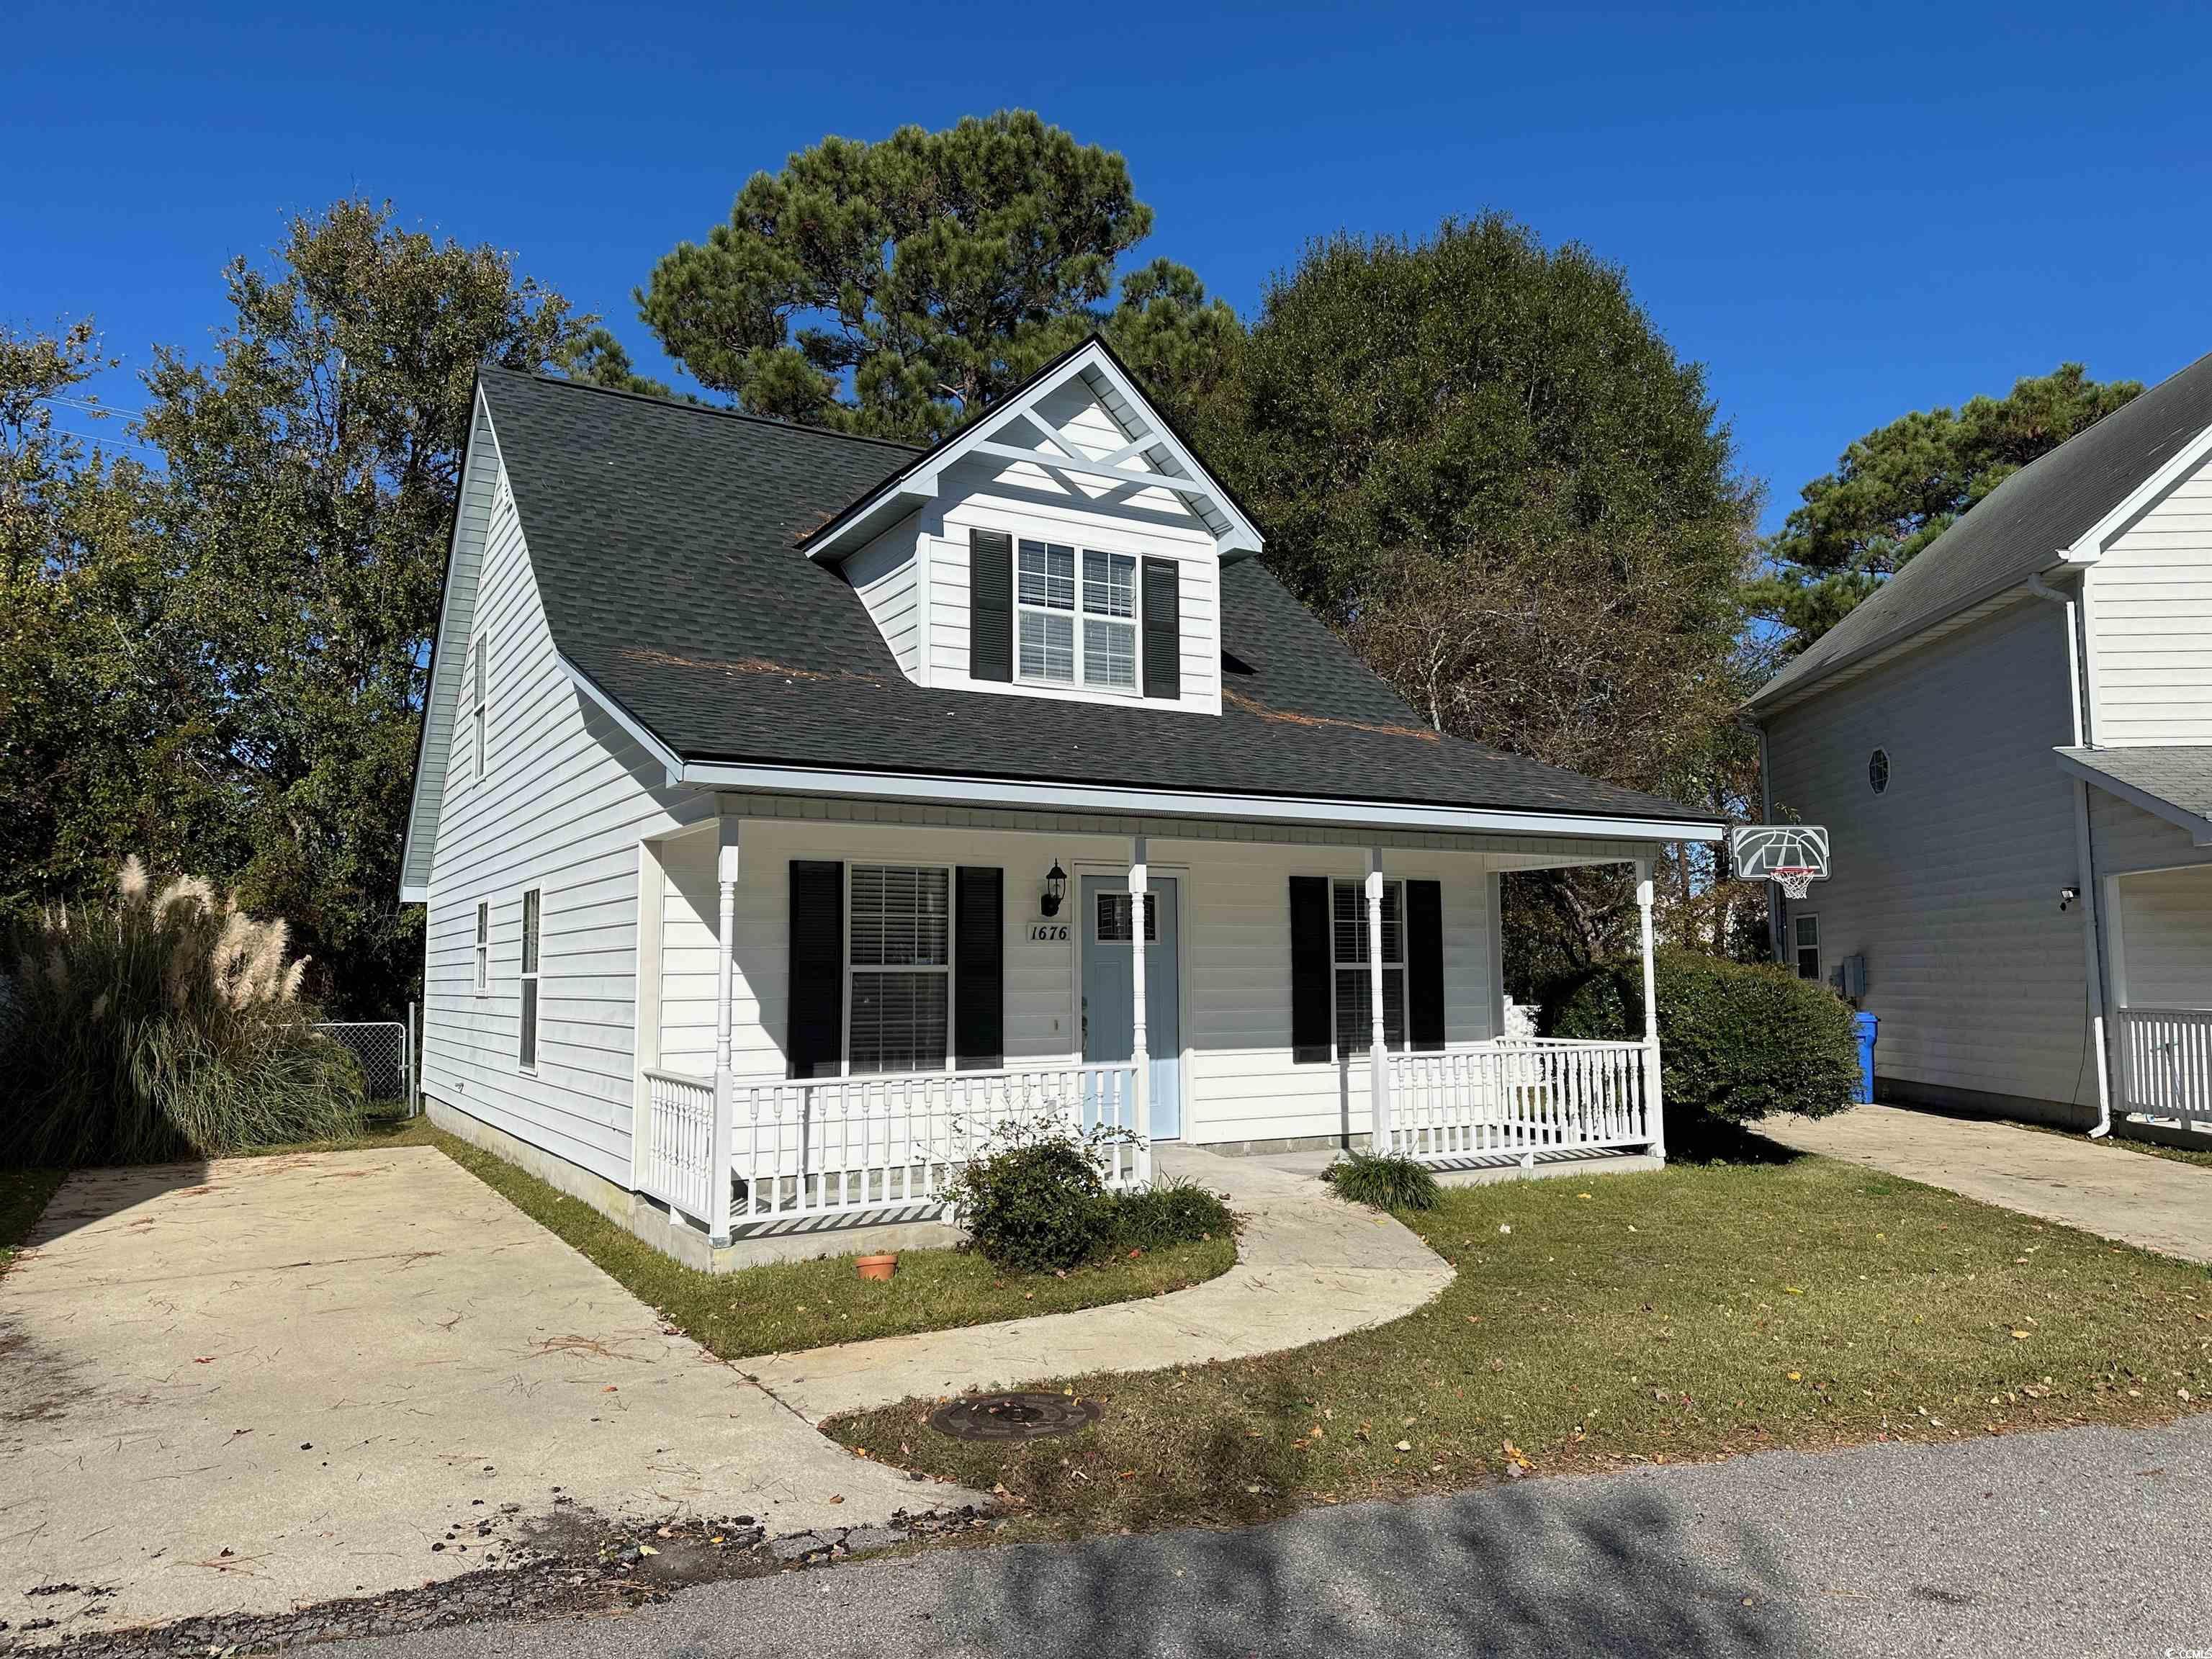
x=1736, y=1041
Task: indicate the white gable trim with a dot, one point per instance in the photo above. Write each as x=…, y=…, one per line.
x=1162, y=461
x=2091, y=544
x=481, y=472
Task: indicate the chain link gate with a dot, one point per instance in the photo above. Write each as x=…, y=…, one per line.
x=385, y=1051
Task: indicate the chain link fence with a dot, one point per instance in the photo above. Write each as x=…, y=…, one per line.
x=385, y=1050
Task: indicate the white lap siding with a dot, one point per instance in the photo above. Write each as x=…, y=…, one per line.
x=1948, y=881
x=2151, y=608
x=564, y=802
x=1234, y=899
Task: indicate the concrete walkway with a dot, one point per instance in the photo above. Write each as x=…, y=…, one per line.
x=239, y=1387
x=2113, y=1191
x=1308, y=1267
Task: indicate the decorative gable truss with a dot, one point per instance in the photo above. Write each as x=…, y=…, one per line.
x=1065, y=544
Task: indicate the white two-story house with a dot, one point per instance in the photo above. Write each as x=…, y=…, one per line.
x=2011, y=744
x=792, y=807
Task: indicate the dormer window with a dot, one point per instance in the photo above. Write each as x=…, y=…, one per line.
x=1103, y=652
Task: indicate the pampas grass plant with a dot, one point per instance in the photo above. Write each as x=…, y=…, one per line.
x=158, y=1024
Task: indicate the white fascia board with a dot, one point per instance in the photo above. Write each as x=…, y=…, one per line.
x=412, y=892
x=2090, y=545
x=2199, y=828
x=1167, y=803
x=588, y=689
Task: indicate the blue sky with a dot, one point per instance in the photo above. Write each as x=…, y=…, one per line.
x=1843, y=212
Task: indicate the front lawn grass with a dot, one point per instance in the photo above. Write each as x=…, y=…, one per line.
x=1681, y=1314
x=787, y=1306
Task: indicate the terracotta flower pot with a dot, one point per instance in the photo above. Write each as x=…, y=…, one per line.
x=877, y=1267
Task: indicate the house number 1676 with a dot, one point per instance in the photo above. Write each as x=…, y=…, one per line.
x=1049, y=933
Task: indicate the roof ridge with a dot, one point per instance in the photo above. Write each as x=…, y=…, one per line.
x=690, y=406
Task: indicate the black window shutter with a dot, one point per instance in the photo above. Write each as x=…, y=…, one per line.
x=979, y=970
x=1310, y=1036
x=990, y=605
x=1162, y=629
x=1424, y=965
x=814, y=1035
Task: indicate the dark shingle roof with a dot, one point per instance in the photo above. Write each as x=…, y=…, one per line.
x=663, y=538
x=2178, y=775
x=2020, y=527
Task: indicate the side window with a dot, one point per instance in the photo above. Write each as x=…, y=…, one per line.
x=1806, y=936
x=476, y=706
x=527, y=1054
x=483, y=947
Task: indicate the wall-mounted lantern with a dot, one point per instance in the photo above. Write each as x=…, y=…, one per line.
x=1056, y=889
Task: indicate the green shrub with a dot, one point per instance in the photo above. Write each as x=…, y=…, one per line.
x=1038, y=1204
x=1736, y=1041
x=146, y=1027
x=1169, y=1211
x=1382, y=1183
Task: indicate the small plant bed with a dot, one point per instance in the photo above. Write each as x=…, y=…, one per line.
x=787, y=1306
x=1683, y=1314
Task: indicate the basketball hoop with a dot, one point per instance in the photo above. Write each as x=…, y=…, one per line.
x=1793, y=856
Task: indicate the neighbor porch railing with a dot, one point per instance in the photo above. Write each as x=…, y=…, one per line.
x=1521, y=1097
x=879, y=1147
x=2166, y=1062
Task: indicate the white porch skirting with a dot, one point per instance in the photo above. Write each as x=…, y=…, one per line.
x=1520, y=1098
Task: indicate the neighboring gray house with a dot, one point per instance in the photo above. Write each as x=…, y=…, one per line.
x=786, y=802
x=2011, y=744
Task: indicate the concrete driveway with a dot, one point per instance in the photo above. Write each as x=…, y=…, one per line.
x=248, y=1386
x=2115, y=1192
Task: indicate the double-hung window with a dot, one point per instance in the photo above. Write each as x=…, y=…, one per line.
x=1348, y=959
x=484, y=946
x=1805, y=938
x=900, y=967
x=1071, y=632
x=527, y=1054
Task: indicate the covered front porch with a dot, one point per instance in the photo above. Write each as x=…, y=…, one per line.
x=841, y=1004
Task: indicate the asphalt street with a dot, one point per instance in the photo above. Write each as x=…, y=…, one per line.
x=2078, y=1542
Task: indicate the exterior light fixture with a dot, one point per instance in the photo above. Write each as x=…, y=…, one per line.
x=1056, y=889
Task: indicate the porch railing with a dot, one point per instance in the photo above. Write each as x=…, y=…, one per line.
x=676, y=1165
x=2166, y=1062
x=1519, y=1098
x=883, y=1147
x=845, y=1146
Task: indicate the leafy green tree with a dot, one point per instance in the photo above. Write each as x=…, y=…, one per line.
x=1477, y=459
x=102, y=725
x=594, y=356
x=312, y=471
x=1899, y=487
x=894, y=288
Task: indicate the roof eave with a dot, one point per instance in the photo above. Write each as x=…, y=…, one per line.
x=1779, y=693
x=2198, y=826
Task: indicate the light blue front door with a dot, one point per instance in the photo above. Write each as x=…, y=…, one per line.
x=1109, y=1017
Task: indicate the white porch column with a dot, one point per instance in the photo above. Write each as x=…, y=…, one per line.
x=725, y=1091
x=1139, y=1054
x=1378, y=1057
x=1652, y=1101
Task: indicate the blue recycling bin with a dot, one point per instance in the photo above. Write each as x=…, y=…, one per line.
x=1867, y=1025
